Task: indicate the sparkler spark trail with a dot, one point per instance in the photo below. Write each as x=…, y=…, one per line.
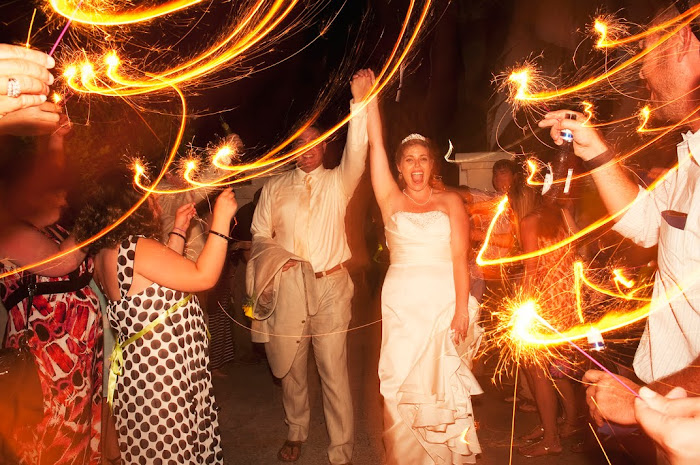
x=270, y=161
x=521, y=83
x=100, y=15
x=31, y=25
x=600, y=444
x=583, y=352
x=255, y=27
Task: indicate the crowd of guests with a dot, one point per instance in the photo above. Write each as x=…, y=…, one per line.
x=150, y=260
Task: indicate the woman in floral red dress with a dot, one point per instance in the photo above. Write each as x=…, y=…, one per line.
x=65, y=319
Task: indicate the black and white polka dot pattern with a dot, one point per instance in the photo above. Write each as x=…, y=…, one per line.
x=164, y=401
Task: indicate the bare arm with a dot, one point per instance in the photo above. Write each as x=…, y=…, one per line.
x=383, y=183
x=164, y=266
x=24, y=246
x=459, y=245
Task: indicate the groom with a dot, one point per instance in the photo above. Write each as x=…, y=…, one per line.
x=302, y=213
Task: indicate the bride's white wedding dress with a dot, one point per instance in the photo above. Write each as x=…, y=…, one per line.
x=428, y=416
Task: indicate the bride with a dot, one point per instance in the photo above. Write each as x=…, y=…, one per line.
x=427, y=311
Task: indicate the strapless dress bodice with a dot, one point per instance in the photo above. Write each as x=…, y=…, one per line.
x=419, y=238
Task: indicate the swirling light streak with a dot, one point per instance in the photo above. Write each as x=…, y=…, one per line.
x=194, y=69
x=525, y=335
x=101, y=15
x=618, y=279
x=89, y=82
x=269, y=162
x=519, y=87
x=602, y=26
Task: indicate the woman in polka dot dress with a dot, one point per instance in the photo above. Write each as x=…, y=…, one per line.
x=163, y=400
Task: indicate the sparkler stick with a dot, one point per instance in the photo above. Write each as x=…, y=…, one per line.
x=575, y=346
x=65, y=28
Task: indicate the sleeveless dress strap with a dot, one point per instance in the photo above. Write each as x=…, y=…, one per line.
x=125, y=264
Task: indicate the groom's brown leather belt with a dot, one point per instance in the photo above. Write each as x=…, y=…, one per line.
x=339, y=267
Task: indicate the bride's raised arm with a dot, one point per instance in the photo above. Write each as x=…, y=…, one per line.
x=383, y=183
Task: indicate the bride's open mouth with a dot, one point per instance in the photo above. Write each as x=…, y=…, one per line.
x=417, y=177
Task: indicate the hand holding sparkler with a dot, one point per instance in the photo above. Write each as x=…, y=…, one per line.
x=24, y=78
x=610, y=400
x=588, y=142
x=224, y=208
x=672, y=421
x=32, y=121
x=183, y=216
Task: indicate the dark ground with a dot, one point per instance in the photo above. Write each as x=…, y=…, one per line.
x=252, y=417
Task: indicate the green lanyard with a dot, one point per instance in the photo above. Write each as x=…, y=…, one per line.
x=117, y=354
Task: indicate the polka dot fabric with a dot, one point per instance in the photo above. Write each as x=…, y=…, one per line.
x=164, y=401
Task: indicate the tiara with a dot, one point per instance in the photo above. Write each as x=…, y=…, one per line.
x=414, y=136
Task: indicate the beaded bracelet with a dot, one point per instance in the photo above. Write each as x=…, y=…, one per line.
x=598, y=161
x=223, y=236
x=178, y=234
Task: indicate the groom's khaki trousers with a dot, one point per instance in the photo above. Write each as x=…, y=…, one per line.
x=326, y=333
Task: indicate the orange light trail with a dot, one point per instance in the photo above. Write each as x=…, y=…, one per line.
x=31, y=26
x=521, y=83
x=481, y=261
x=524, y=316
x=269, y=162
x=100, y=15
x=85, y=78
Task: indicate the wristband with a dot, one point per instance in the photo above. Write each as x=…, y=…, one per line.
x=598, y=161
x=223, y=236
x=178, y=234
x=181, y=231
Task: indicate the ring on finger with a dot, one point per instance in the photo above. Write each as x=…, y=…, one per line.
x=13, y=88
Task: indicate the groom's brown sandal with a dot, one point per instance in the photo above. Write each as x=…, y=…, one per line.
x=290, y=451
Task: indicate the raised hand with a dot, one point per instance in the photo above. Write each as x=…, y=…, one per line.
x=361, y=83
x=183, y=216
x=24, y=78
x=226, y=205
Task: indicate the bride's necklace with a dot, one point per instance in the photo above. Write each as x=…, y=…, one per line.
x=414, y=200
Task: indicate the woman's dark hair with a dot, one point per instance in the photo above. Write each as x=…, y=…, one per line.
x=114, y=196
